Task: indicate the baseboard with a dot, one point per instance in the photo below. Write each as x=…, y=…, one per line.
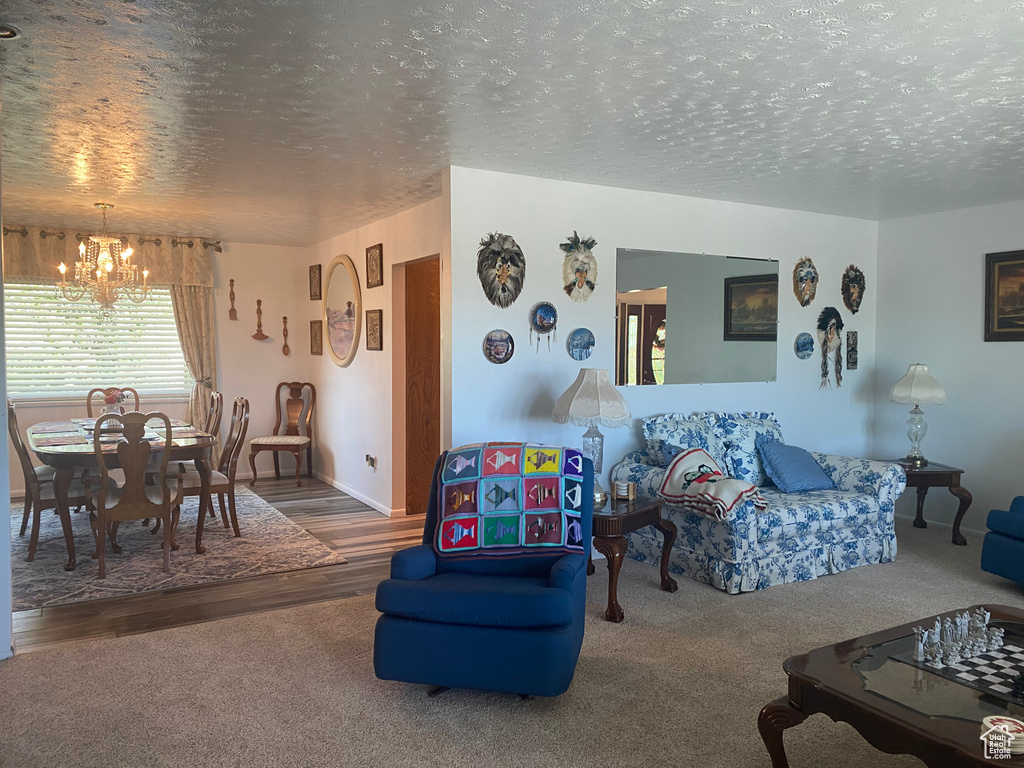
x=963, y=528
x=356, y=494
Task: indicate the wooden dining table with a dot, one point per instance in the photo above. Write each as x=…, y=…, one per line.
x=67, y=446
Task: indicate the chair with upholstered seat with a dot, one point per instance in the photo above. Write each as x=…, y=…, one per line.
x=222, y=481
x=102, y=393
x=1002, y=551
x=287, y=437
x=495, y=596
x=136, y=499
x=39, y=492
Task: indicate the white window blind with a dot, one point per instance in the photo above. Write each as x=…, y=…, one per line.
x=57, y=348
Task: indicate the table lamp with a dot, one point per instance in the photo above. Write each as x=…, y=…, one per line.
x=593, y=401
x=917, y=387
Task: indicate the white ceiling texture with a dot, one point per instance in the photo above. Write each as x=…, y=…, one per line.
x=289, y=121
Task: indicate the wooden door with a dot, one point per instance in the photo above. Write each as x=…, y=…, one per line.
x=423, y=379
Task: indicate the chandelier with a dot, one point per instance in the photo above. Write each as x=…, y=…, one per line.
x=103, y=271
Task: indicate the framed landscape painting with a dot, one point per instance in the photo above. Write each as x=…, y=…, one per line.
x=751, y=308
x=1004, y=296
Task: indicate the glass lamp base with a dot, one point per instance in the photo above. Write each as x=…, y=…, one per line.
x=917, y=428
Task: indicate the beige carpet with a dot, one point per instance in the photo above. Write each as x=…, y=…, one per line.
x=679, y=683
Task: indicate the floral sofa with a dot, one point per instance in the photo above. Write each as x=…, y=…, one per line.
x=799, y=536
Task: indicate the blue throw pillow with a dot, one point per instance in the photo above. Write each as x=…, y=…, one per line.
x=792, y=469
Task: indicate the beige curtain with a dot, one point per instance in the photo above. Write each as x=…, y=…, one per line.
x=193, y=315
x=33, y=253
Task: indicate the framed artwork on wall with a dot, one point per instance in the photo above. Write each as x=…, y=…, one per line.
x=751, y=308
x=343, y=310
x=375, y=265
x=316, y=337
x=314, y=283
x=375, y=329
x=1004, y=296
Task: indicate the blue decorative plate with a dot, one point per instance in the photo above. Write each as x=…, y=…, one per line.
x=803, y=347
x=499, y=346
x=580, y=344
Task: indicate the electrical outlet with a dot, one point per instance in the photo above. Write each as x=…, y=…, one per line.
x=371, y=462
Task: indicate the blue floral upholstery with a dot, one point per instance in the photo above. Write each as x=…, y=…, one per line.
x=676, y=430
x=798, y=537
x=738, y=434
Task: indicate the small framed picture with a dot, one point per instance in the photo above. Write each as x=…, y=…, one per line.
x=316, y=337
x=314, y=283
x=375, y=329
x=751, y=308
x=1004, y=296
x=375, y=265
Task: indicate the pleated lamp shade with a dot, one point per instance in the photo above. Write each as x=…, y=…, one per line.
x=918, y=387
x=592, y=401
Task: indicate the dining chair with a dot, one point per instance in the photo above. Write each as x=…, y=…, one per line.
x=212, y=424
x=39, y=491
x=222, y=480
x=286, y=435
x=135, y=499
x=103, y=392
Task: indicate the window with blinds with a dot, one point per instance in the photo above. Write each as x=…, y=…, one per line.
x=57, y=348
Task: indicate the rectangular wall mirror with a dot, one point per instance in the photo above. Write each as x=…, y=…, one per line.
x=672, y=318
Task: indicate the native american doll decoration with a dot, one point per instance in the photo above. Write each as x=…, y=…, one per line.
x=830, y=338
x=853, y=288
x=543, y=319
x=501, y=267
x=805, y=281
x=579, y=270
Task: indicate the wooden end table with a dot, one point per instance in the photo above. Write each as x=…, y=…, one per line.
x=896, y=707
x=611, y=525
x=934, y=475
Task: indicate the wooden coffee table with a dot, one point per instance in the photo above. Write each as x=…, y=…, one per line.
x=611, y=525
x=898, y=708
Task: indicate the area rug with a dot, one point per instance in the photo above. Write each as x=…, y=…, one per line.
x=270, y=543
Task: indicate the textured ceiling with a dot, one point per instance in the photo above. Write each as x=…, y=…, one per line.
x=288, y=121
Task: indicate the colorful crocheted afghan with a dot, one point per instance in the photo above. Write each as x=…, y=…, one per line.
x=509, y=499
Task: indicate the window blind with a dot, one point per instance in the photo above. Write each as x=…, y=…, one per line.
x=57, y=348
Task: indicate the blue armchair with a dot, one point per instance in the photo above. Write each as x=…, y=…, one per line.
x=1002, y=553
x=513, y=625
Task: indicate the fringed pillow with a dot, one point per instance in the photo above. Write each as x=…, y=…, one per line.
x=695, y=482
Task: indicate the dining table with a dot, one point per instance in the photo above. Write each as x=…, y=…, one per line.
x=67, y=446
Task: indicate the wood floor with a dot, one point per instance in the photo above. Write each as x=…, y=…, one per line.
x=361, y=535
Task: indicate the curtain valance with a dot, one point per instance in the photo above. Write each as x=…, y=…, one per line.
x=33, y=253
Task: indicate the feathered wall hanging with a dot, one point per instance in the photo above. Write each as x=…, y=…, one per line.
x=830, y=337
x=501, y=267
x=579, y=270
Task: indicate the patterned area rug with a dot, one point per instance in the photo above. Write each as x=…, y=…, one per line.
x=270, y=543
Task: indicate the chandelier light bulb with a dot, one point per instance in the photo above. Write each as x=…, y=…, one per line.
x=81, y=249
x=62, y=269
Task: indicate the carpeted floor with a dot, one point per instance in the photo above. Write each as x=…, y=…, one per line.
x=270, y=543
x=678, y=684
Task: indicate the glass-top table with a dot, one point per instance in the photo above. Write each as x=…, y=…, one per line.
x=898, y=707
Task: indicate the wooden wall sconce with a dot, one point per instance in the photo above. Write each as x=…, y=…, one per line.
x=259, y=335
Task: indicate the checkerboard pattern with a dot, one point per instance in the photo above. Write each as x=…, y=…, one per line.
x=994, y=671
x=509, y=499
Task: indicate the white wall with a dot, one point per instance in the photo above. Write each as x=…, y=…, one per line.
x=279, y=276
x=514, y=400
x=931, y=285
x=354, y=404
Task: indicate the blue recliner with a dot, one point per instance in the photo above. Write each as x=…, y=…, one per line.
x=1002, y=553
x=506, y=624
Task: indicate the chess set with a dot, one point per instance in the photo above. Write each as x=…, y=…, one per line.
x=962, y=647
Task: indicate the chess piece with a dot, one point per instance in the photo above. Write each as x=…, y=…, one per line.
x=947, y=631
x=919, y=636
x=937, y=662
x=954, y=653
x=996, y=639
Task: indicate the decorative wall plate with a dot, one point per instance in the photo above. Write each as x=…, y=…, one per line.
x=580, y=344
x=499, y=346
x=543, y=319
x=803, y=346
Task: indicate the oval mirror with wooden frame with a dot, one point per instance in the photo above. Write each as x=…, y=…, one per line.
x=343, y=310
